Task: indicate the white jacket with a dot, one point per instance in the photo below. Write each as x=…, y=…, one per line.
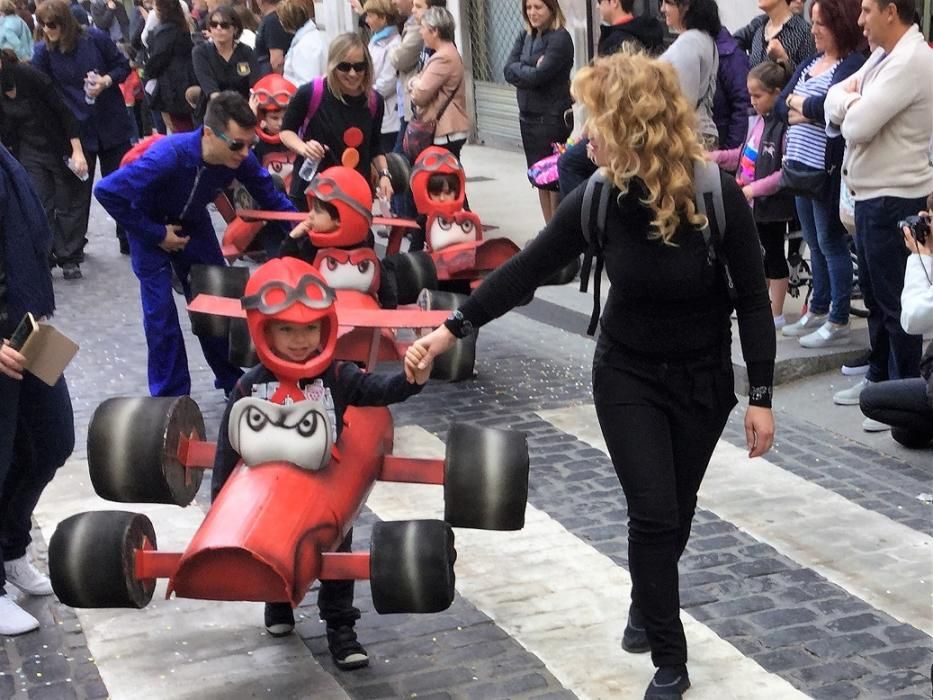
x=306, y=58
x=386, y=78
x=917, y=297
x=888, y=124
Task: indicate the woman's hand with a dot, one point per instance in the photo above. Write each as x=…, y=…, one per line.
x=313, y=149
x=421, y=353
x=384, y=189
x=776, y=51
x=97, y=84
x=418, y=364
x=748, y=192
x=79, y=163
x=11, y=362
x=795, y=117
x=759, y=430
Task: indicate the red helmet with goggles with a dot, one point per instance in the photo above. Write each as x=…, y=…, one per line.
x=292, y=291
x=273, y=92
x=349, y=193
x=436, y=161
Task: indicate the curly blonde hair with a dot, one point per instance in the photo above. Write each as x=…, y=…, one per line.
x=648, y=130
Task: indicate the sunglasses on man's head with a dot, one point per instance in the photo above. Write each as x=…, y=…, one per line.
x=236, y=144
x=346, y=66
x=220, y=25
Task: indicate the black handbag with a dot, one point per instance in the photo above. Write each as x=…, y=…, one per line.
x=802, y=180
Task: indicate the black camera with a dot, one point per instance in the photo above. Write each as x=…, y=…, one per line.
x=919, y=228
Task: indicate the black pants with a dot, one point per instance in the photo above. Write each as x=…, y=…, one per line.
x=62, y=196
x=882, y=261
x=660, y=423
x=772, y=234
x=109, y=161
x=904, y=405
x=36, y=437
x=335, y=598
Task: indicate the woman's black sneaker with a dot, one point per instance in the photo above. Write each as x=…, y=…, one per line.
x=280, y=619
x=71, y=271
x=669, y=683
x=348, y=653
x=635, y=638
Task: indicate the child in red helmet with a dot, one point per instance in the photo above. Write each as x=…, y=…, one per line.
x=292, y=321
x=438, y=186
x=269, y=97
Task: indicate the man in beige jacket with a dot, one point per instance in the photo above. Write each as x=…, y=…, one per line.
x=885, y=113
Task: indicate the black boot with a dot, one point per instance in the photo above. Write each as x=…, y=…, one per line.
x=669, y=683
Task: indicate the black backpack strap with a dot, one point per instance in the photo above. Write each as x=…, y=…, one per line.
x=707, y=183
x=593, y=216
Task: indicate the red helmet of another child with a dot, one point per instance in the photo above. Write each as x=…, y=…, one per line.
x=273, y=92
x=349, y=192
x=436, y=161
x=290, y=290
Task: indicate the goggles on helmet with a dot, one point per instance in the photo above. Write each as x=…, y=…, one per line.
x=275, y=296
x=271, y=100
x=432, y=162
x=327, y=190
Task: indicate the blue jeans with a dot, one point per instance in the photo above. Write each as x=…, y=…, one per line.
x=36, y=437
x=574, y=168
x=882, y=261
x=830, y=262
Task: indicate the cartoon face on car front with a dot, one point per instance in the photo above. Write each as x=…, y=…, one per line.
x=300, y=433
x=444, y=231
x=356, y=269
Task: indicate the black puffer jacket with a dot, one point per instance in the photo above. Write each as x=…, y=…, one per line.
x=539, y=66
x=645, y=32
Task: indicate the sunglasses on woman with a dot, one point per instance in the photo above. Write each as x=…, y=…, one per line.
x=220, y=25
x=346, y=67
x=51, y=24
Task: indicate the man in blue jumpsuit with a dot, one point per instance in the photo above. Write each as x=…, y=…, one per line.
x=161, y=199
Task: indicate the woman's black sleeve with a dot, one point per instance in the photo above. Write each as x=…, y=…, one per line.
x=297, y=110
x=44, y=89
x=203, y=70
x=742, y=251
x=375, y=131
x=557, y=245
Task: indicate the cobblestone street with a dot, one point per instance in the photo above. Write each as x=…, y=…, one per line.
x=809, y=572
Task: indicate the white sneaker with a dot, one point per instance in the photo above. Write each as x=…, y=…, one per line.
x=22, y=574
x=807, y=323
x=13, y=619
x=826, y=335
x=870, y=425
x=850, y=396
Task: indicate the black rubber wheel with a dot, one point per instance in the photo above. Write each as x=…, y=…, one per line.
x=217, y=280
x=458, y=363
x=411, y=566
x=485, y=478
x=413, y=272
x=132, y=449
x=399, y=172
x=92, y=560
x=241, y=351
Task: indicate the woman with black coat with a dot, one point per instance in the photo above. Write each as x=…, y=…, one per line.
x=42, y=133
x=539, y=67
x=223, y=63
x=662, y=372
x=170, y=65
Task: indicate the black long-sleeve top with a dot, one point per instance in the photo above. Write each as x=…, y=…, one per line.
x=666, y=303
x=214, y=74
x=342, y=384
x=37, y=116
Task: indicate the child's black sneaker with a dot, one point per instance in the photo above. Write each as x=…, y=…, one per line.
x=280, y=619
x=669, y=683
x=635, y=638
x=348, y=653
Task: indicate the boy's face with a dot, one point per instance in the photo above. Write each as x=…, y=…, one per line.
x=444, y=195
x=294, y=342
x=321, y=221
x=272, y=124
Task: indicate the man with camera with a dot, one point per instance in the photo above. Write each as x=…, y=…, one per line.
x=885, y=113
x=907, y=404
